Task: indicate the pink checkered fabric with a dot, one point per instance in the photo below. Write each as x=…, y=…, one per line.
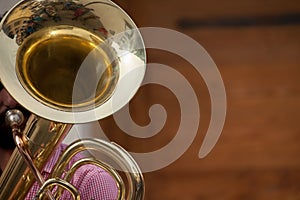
x=93, y=183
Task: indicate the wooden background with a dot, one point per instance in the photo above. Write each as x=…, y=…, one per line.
x=258, y=154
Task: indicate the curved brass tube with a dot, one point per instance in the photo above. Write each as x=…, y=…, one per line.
x=122, y=158
x=57, y=182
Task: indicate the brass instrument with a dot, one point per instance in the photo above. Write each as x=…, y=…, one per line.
x=67, y=62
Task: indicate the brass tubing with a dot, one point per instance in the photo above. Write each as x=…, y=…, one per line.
x=43, y=136
x=124, y=160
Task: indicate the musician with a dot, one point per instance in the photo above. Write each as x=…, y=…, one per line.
x=92, y=182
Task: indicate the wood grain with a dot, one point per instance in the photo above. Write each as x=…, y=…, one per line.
x=257, y=155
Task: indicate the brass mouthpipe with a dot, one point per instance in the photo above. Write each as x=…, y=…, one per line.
x=43, y=136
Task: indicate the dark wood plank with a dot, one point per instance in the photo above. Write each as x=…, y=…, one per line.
x=257, y=156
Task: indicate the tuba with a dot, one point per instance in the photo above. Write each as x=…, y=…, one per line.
x=67, y=62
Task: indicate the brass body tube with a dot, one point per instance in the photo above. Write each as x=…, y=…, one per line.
x=43, y=136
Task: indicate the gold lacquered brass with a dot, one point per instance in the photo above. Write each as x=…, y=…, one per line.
x=68, y=61
x=40, y=61
x=42, y=137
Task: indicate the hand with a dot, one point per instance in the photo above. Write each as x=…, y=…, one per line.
x=6, y=101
